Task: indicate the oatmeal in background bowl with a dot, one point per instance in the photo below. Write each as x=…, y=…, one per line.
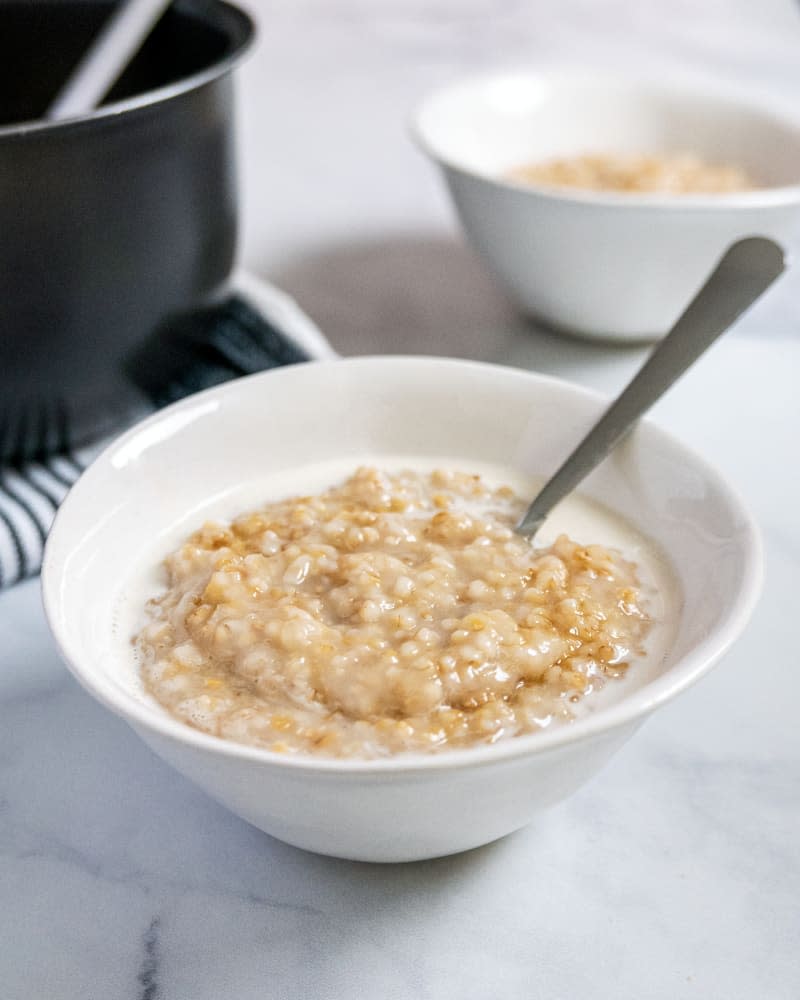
x=677, y=173
x=395, y=612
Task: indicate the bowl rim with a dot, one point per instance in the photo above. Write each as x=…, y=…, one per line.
x=629, y=710
x=236, y=23
x=765, y=197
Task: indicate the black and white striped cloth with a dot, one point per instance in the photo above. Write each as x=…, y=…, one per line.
x=29, y=497
x=202, y=349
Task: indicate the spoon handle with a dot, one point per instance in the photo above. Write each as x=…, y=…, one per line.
x=116, y=44
x=746, y=270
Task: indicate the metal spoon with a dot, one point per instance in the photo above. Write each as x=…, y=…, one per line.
x=746, y=270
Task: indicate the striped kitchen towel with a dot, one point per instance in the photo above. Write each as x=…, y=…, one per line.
x=203, y=348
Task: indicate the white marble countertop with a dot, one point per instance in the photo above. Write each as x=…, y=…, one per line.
x=675, y=874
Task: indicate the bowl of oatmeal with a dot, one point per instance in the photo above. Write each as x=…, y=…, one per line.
x=601, y=203
x=321, y=613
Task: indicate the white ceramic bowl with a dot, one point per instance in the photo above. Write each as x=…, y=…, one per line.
x=615, y=266
x=155, y=482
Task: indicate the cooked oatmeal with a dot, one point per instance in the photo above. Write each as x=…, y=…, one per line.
x=395, y=612
x=681, y=173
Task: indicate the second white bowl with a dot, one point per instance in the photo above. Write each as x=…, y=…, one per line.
x=613, y=266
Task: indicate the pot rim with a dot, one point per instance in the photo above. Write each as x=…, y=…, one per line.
x=235, y=23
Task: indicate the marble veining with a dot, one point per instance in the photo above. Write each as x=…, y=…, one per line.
x=672, y=876
x=151, y=957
